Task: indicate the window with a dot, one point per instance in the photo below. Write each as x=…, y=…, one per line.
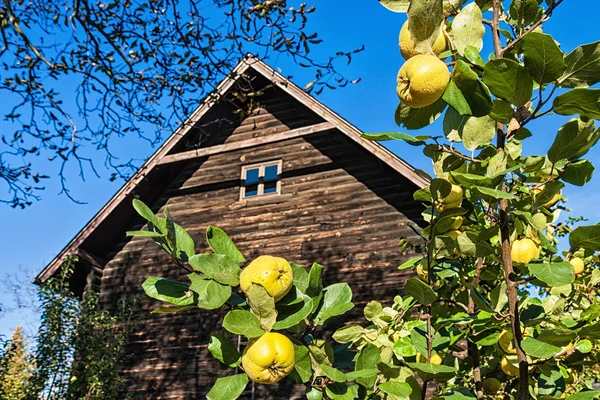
x=261, y=179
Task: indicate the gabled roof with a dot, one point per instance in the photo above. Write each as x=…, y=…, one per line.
x=163, y=157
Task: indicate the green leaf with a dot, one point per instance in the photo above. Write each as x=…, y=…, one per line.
x=587, y=395
x=585, y=102
x=144, y=211
x=550, y=190
x=590, y=331
x=539, y=349
x=543, y=58
x=578, y=173
x=315, y=280
x=185, y=247
x=363, y=373
x=508, y=80
x=294, y=296
x=585, y=237
x=425, y=19
x=557, y=337
x=551, y=382
x=472, y=54
x=292, y=315
x=455, y=98
x=467, y=28
x=470, y=246
x=399, y=6
x=171, y=232
x=218, y=267
x=228, y=388
x=173, y=292
x=171, y=310
x=400, y=389
x=418, y=338
x=583, y=67
x=224, y=350
x=453, y=124
x=382, y=136
x=339, y=391
x=333, y=373
x=440, y=189
x=220, y=243
x=478, y=298
x=475, y=93
x=313, y=393
x=553, y=274
x=368, y=358
x=211, y=294
x=421, y=292
x=487, y=337
x=477, y=132
x=348, y=333
x=417, y=118
x=242, y=322
x=144, y=234
x=410, y=263
x=262, y=305
x=573, y=140
x=459, y=394
x=470, y=180
x=432, y=371
x=502, y=111
x=523, y=12
x=336, y=301
x=494, y=193
x=300, y=277
x=404, y=348
x=584, y=346
x=302, y=367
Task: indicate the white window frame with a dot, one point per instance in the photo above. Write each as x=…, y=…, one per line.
x=261, y=174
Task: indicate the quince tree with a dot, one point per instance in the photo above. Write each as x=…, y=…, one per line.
x=504, y=302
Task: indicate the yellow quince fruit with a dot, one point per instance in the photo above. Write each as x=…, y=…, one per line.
x=269, y=358
x=423, y=272
x=524, y=250
x=506, y=342
x=453, y=200
x=273, y=273
x=491, y=385
x=422, y=80
x=435, y=359
x=550, y=202
x=508, y=368
x=407, y=45
x=578, y=265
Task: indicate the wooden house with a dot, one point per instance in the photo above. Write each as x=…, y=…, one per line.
x=283, y=175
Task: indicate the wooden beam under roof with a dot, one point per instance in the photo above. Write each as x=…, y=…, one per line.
x=243, y=144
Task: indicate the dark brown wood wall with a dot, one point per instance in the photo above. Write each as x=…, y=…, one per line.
x=339, y=206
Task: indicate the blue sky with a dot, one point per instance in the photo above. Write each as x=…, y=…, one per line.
x=32, y=237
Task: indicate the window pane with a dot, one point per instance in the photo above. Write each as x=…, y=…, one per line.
x=271, y=173
x=270, y=187
x=251, y=190
x=251, y=176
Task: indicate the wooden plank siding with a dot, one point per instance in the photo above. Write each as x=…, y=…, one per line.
x=339, y=206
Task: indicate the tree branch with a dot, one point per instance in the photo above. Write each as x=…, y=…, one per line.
x=513, y=299
x=544, y=18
